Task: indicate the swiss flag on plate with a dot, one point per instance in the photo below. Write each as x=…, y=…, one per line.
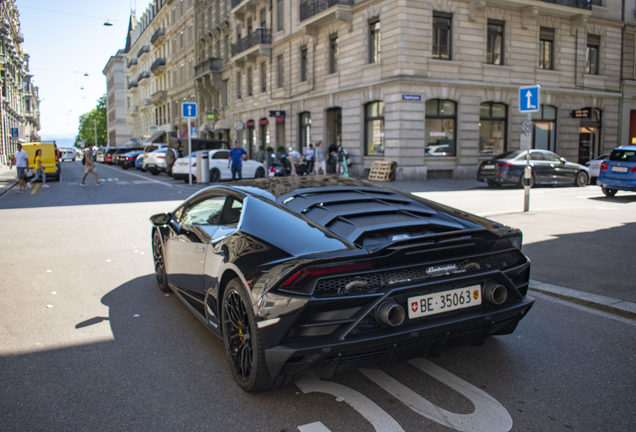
x=414, y=306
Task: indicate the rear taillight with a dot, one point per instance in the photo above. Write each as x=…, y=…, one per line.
x=587, y=164
x=604, y=166
x=161, y=157
x=194, y=164
x=634, y=169
x=301, y=277
x=272, y=169
x=503, y=164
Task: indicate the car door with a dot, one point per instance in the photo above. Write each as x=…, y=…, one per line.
x=221, y=159
x=249, y=168
x=540, y=167
x=191, y=232
x=562, y=173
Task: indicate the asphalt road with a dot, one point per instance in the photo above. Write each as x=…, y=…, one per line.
x=90, y=343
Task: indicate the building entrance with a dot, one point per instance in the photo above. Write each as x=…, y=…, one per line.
x=334, y=127
x=589, y=134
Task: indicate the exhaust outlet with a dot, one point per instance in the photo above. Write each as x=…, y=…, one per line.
x=495, y=293
x=390, y=313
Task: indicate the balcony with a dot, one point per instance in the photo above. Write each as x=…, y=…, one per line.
x=580, y=4
x=315, y=14
x=132, y=84
x=159, y=97
x=576, y=10
x=239, y=7
x=210, y=65
x=142, y=76
x=132, y=63
x=253, y=45
x=157, y=36
x=144, y=49
x=158, y=66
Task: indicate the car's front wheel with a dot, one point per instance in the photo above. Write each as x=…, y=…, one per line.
x=260, y=173
x=160, y=266
x=581, y=179
x=609, y=192
x=215, y=175
x=243, y=344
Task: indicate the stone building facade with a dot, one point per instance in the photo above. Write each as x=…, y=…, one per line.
x=432, y=85
x=119, y=132
x=20, y=106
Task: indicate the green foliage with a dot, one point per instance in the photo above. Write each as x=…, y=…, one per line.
x=87, y=125
x=280, y=149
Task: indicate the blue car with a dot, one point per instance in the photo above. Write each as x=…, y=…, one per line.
x=139, y=161
x=619, y=171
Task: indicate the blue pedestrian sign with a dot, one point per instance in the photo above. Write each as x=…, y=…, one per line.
x=14, y=133
x=529, y=99
x=189, y=110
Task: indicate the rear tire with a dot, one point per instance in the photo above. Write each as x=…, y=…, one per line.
x=494, y=185
x=581, y=179
x=260, y=172
x=215, y=175
x=609, y=192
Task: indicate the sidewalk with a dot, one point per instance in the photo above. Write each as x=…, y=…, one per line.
x=7, y=179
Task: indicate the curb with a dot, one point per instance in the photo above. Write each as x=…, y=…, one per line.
x=611, y=305
x=8, y=188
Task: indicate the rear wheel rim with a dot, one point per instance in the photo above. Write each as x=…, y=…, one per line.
x=214, y=176
x=238, y=337
x=160, y=270
x=581, y=179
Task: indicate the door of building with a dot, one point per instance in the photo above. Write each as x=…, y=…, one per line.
x=589, y=135
x=334, y=127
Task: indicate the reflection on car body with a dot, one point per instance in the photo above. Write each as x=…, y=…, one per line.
x=324, y=274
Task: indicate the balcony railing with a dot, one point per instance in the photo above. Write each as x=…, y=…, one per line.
x=159, y=96
x=132, y=63
x=580, y=4
x=144, y=49
x=210, y=65
x=258, y=37
x=310, y=8
x=132, y=84
x=157, y=64
x=157, y=35
x=142, y=76
x=235, y=3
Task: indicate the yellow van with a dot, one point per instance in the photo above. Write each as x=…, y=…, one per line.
x=49, y=159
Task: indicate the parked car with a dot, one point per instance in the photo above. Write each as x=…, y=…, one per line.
x=315, y=274
x=108, y=156
x=179, y=148
x=618, y=172
x=149, y=148
x=155, y=161
x=127, y=160
x=139, y=161
x=218, y=167
x=595, y=167
x=67, y=155
x=100, y=154
x=547, y=168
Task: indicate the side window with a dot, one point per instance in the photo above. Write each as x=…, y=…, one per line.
x=221, y=155
x=538, y=156
x=207, y=212
x=551, y=157
x=232, y=214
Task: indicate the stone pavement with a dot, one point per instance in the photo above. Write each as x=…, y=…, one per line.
x=7, y=179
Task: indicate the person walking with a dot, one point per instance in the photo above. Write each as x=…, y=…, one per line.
x=321, y=162
x=39, y=169
x=260, y=154
x=309, y=158
x=89, y=166
x=21, y=162
x=237, y=155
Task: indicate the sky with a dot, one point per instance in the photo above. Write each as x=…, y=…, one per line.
x=67, y=39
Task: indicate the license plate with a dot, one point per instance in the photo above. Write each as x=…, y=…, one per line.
x=150, y=165
x=182, y=163
x=619, y=169
x=489, y=167
x=444, y=301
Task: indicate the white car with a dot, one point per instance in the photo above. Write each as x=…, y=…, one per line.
x=595, y=167
x=218, y=167
x=155, y=161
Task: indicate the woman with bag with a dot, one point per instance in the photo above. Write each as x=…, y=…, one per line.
x=39, y=169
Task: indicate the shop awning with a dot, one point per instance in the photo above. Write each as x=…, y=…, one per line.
x=154, y=137
x=263, y=122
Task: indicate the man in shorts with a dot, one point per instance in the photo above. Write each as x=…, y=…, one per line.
x=89, y=166
x=21, y=161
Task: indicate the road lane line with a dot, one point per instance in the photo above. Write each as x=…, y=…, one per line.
x=489, y=415
x=313, y=427
x=37, y=185
x=142, y=177
x=379, y=419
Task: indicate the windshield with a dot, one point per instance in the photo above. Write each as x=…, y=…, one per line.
x=623, y=156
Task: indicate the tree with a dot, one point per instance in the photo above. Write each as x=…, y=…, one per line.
x=87, y=125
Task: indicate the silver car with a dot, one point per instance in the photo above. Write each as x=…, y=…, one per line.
x=595, y=167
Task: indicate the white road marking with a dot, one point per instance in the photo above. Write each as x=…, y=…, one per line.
x=489, y=415
x=313, y=427
x=142, y=177
x=379, y=419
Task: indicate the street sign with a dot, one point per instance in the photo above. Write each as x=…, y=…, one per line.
x=527, y=127
x=194, y=132
x=239, y=126
x=189, y=109
x=411, y=97
x=14, y=133
x=582, y=113
x=529, y=99
x=278, y=114
x=83, y=143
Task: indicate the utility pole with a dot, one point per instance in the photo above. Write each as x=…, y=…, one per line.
x=95, y=132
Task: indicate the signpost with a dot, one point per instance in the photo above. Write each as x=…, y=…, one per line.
x=14, y=133
x=529, y=102
x=189, y=111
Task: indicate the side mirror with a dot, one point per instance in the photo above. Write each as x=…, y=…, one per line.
x=563, y=160
x=161, y=219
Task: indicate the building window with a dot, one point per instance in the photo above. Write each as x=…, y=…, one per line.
x=249, y=82
x=333, y=54
x=304, y=130
x=280, y=72
x=439, y=130
x=181, y=39
x=238, y=85
x=374, y=128
x=374, y=40
x=544, y=128
x=263, y=18
x=280, y=15
x=592, y=55
x=494, y=48
x=493, y=120
x=303, y=64
x=546, y=48
x=263, y=77
x=442, y=31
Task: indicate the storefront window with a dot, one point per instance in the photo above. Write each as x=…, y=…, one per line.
x=374, y=128
x=544, y=131
x=305, y=130
x=439, y=129
x=492, y=128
